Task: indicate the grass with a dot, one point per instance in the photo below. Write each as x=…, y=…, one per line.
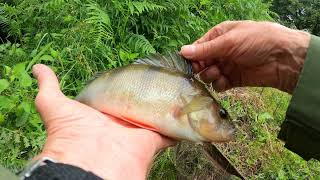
x=256, y=152
x=78, y=38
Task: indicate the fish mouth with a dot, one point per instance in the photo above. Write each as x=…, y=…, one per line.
x=227, y=135
x=220, y=134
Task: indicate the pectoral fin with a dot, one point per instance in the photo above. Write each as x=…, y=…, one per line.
x=196, y=104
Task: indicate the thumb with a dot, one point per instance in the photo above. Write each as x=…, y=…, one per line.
x=208, y=50
x=49, y=90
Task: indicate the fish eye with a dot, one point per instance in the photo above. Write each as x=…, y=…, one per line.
x=223, y=113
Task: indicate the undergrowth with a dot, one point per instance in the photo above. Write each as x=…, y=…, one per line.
x=78, y=38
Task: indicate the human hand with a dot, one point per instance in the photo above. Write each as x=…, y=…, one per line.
x=81, y=136
x=248, y=53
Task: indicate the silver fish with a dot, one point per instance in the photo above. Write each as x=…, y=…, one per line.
x=160, y=93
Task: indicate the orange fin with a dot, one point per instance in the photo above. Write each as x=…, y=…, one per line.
x=139, y=124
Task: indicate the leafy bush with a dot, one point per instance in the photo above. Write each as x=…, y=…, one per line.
x=300, y=14
x=77, y=38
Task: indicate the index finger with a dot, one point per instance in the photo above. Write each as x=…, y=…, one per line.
x=208, y=51
x=217, y=31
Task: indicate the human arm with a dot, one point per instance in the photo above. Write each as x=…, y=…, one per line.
x=83, y=137
x=248, y=53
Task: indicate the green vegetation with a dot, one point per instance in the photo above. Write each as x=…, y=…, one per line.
x=77, y=38
x=300, y=14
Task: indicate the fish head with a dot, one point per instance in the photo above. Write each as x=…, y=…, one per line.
x=212, y=122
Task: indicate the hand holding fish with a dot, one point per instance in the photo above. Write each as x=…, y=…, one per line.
x=248, y=53
x=84, y=137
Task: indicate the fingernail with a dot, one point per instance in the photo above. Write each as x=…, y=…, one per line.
x=188, y=51
x=36, y=69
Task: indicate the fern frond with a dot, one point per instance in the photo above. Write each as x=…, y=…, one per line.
x=4, y=22
x=7, y=25
x=54, y=4
x=100, y=20
x=141, y=7
x=139, y=43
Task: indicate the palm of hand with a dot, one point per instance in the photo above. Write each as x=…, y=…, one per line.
x=84, y=137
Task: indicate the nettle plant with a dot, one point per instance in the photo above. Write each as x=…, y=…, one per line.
x=21, y=126
x=21, y=130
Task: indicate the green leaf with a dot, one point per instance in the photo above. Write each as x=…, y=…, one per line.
x=23, y=113
x=123, y=55
x=47, y=58
x=54, y=53
x=6, y=103
x=19, y=68
x=25, y=80
x=22, y=119
x=4, y=84
x=7, y=70
x=133, y=55
x=25, y=106
x=1, y=118
x=35, y=121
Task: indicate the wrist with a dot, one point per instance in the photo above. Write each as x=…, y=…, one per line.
x=112, y=163
x=296, y=49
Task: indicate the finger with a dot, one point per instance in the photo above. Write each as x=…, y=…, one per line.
x=211, y=74
x=198, y=66
x=221, y=84
x=217, y=31
x=213, y=49
x=49, y=90
x=47, y=80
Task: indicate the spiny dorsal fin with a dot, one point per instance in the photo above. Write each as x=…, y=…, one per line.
x=96, y=76
x=172, y=61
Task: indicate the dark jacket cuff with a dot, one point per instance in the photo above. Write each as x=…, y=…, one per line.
x=301, y=129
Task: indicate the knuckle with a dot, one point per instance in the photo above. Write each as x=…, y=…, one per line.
x=229, y=40
x=215, y=32
x=203, y=48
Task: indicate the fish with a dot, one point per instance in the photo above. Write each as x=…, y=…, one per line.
x=160, y=93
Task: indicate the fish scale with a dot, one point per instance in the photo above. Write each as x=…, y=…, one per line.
x=147, y=84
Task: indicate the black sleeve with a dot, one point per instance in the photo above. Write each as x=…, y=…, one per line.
x=59, y=171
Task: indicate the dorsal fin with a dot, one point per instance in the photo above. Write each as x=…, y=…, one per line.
x=172, y=61
x=96, y=76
